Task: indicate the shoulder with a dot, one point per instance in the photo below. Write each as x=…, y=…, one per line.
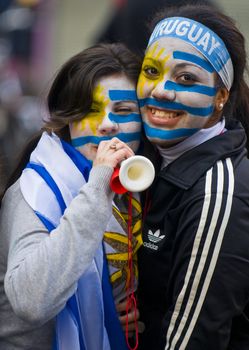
x=15, y=211
x=13, y=197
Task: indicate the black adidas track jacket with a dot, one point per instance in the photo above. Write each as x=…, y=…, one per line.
x=194, y=265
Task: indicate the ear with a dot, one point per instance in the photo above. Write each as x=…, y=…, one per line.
x=221, y=99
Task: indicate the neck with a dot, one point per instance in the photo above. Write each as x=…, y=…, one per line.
x=172, y=153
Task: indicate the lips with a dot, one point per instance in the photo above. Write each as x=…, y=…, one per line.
x=163, y=117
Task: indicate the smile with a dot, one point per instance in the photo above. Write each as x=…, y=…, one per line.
x=158, y=113
x=163, y=117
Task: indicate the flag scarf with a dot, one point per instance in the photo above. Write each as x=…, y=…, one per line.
x=86, y=323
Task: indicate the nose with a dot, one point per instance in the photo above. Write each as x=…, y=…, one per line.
x=107, y=126
x=160, y=92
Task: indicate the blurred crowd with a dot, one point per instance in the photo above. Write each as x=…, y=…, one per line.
x=131, y=19
x=21, y=110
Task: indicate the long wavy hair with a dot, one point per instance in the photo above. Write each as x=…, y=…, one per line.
x=70, y=95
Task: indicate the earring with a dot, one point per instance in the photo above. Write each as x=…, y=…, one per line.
x=220, y=106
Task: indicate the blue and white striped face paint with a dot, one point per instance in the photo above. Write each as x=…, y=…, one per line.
x=176, y=91
x=114, y=112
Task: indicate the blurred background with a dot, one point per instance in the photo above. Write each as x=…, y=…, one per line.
x=38, y=36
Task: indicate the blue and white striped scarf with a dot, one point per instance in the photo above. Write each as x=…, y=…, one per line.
x=86, y=323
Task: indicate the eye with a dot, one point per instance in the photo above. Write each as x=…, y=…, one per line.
x=151, y=71
x=186, y=78
x=123, y=110
x=126, y=108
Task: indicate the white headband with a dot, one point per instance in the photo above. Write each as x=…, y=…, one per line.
x=203, y=39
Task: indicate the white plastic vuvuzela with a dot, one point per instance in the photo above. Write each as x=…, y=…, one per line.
x=135, y=174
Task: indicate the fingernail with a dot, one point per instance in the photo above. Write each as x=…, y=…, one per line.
x=141, y=327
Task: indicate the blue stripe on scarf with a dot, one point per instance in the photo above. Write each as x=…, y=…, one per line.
x=73, y=306
x=47, y=223
x=81, y=162
x=50, y=182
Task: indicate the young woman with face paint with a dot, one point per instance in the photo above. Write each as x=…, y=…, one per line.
x=193, y=267
x=63, y=234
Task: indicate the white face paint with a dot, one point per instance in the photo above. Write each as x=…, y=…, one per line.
x=114, y=112
x=176, y=91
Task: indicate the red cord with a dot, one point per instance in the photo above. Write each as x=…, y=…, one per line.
x=131, y=299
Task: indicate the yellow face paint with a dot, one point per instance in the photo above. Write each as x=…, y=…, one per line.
x=93, y=119
x=155, y=58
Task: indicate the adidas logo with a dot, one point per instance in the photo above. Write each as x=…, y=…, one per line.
x=155, y=237
x=150, y=245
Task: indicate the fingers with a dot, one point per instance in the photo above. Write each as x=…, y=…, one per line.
x=115, y=145
x=132, y=327
x=121, y=306
x=112, y=152
x=131, y=317
x=141, y=327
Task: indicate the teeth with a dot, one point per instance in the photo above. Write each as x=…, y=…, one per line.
x=163, y=114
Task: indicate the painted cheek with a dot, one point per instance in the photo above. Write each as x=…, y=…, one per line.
x=88, y=125
x=194, y=99
x=130, y=127
x=95, y=121
x=145, y=86
x=78, y=128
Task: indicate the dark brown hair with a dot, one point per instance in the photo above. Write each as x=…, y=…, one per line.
x=237, y=106
x=70, y=95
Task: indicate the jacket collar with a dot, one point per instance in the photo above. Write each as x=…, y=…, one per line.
x=190, y=166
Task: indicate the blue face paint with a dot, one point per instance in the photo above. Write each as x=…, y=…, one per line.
x=123, y=95
x=125, y=137
x=152, y=133
x=200, y=89
x=195, y=111
x=185, y=56
x=125, y=118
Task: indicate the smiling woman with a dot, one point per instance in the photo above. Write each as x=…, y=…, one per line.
x=193, y=267
x=65, y=235
x=178, y=91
